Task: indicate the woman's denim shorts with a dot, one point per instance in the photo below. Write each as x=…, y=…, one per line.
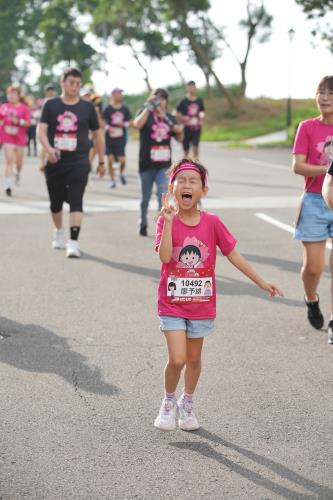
x=194, y=328
x=316, y=220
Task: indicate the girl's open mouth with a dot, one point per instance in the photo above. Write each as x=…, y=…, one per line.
x=186, y=196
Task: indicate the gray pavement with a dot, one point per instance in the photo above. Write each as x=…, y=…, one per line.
x=81, y=357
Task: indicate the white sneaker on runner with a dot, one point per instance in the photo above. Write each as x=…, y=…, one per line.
x=166, y=419
x=58, y=239
x=72, y=249
x=187, y=420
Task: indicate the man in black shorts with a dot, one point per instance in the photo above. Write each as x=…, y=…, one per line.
x=117, y=119
x=64, y=133
x=191, y=112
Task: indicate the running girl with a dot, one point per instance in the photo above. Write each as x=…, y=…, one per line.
x=313, y=154
x=187, y=311
x=14, y=120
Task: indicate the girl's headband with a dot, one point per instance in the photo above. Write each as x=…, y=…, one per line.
x=189, y=166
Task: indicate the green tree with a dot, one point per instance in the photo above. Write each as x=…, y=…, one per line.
x=315, y=8
x=57, y=37
x=128, y=23
x=10, y=37
x=316, y=11
x=188, y=21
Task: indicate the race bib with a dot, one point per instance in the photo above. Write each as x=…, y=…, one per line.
x=160, y=153
x=65, y=142
x=116, y=132
x=190, y=285
x=11, y=130
x=194, y=121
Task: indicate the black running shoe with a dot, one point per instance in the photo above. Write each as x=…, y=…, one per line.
x=315, y=316
x=143, y=231
x=8, y=192
x=330, y=332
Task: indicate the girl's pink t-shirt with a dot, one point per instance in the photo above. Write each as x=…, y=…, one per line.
x=14, y=133
x=314, y=139
x=187, y=286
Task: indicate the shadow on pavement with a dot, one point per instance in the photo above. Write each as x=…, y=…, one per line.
x=33, y=348
x=225, y=287
x=123, y=266
x=315, y=490
x=281, y=264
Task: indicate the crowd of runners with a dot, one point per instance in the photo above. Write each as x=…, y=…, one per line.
x=75, y=132
x=73, y=129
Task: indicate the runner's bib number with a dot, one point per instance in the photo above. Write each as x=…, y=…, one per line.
x=190, y=285
x=160, y=153
x=116, y=132
x=10, y=130
x=194, y=121
x=65, y=142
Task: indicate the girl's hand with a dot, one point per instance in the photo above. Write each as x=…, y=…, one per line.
x=168, y=211
x=272, y=289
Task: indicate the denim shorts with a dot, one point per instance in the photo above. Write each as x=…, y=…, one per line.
x=194, y=328
x=316, y=220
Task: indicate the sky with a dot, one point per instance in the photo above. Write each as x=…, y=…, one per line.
x=277, y=68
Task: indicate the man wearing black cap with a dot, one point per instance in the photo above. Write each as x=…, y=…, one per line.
x=191, y=113
x=117, y=120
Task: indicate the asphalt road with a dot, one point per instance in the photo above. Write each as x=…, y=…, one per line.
x=81, y=356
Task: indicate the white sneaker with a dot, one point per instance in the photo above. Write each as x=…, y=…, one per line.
x=58, y=239
x=72, y=249
x=187, y=420
x=166, y=419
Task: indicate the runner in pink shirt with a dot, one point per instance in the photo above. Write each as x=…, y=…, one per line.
x=186, y=241
x=14, y=120
x=313, y=154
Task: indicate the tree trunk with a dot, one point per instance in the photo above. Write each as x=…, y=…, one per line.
x=205, y=63
x=243, y=84
x=180, y=74
x=208, y=87
x=144, y=69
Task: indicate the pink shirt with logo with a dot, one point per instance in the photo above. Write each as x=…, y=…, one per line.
x=14, y=133
x=314, y=139
x=187, y=286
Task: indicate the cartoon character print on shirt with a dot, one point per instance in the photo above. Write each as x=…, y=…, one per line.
x=190, y=278
x=117, y=119
x=193, y=254
x=193, y=109
x=65, y=138
x=67, y=122
x=325, y=148
x=160, y=131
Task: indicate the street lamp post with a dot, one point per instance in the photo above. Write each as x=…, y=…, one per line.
x=291, y=34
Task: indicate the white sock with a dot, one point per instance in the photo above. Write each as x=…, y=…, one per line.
x=8, y=182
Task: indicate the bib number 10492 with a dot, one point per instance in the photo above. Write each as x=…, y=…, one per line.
x=190, y=285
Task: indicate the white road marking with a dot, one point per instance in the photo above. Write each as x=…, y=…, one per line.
x=265, y=164
x=282, y=225
x=26, y=207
